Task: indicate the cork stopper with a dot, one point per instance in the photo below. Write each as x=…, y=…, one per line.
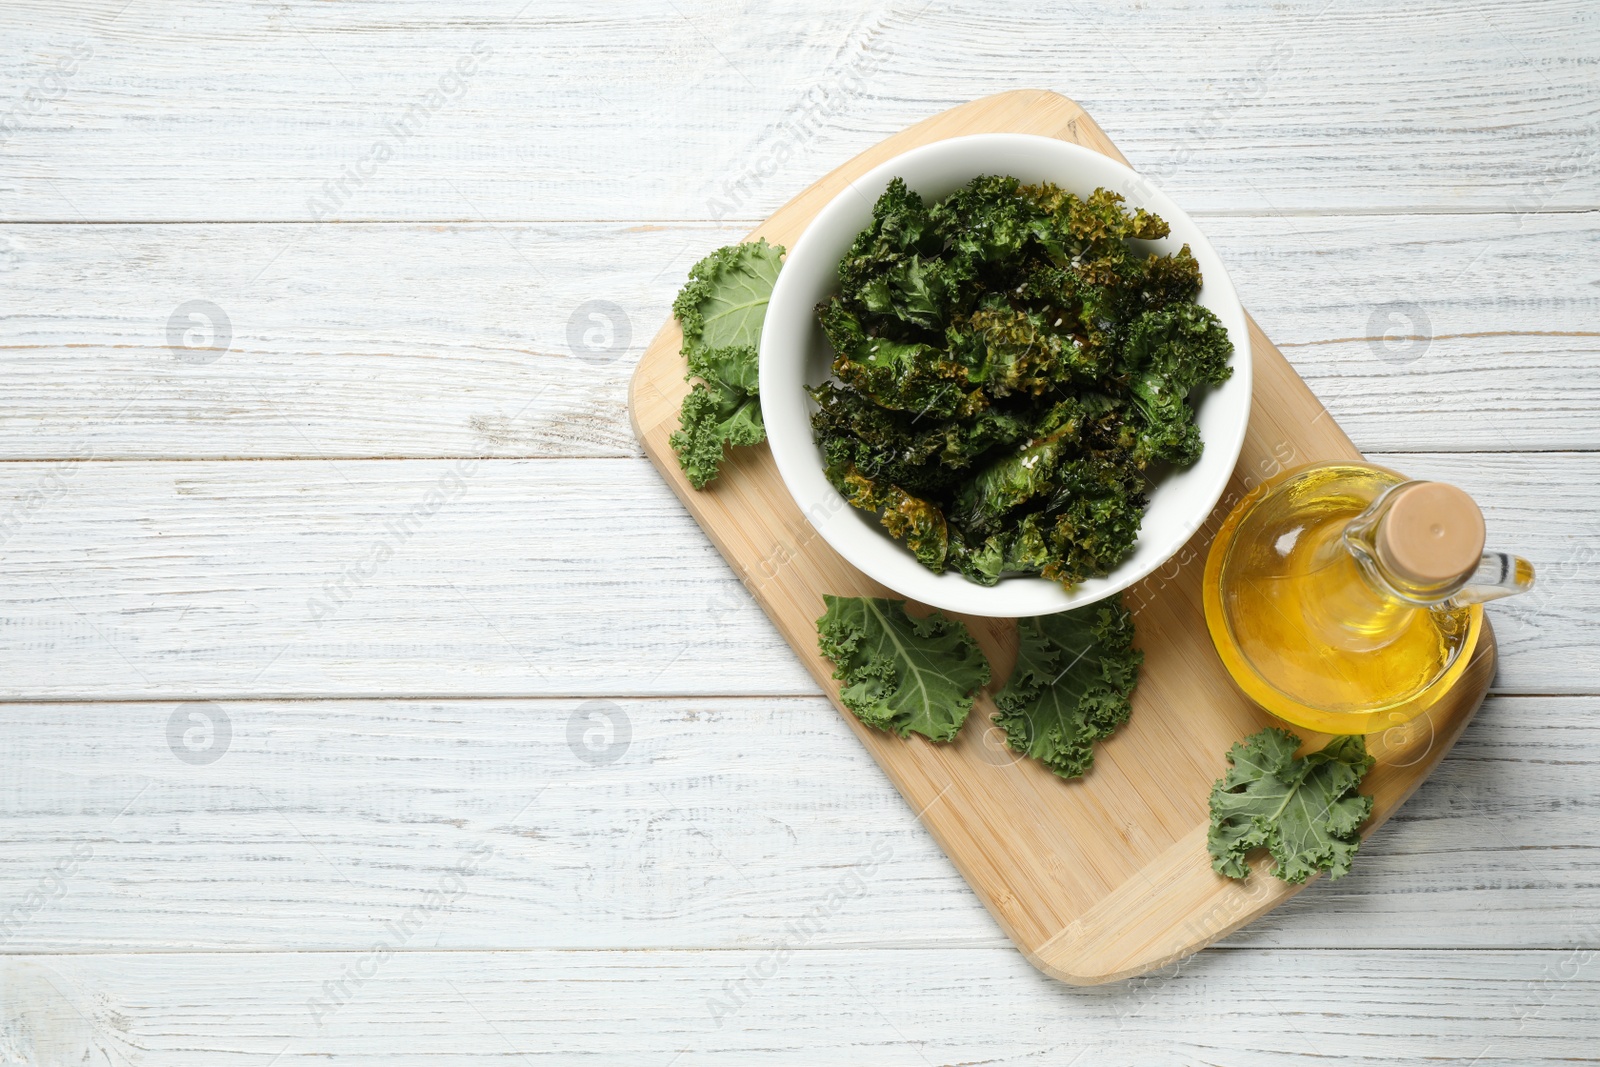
x=1432, y=534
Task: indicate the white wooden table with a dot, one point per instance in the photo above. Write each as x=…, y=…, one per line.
x=366, y=697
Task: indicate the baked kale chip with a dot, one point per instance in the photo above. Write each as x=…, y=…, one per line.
x=1011, y=369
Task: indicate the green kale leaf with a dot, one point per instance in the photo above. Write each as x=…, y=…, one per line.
x=1075, y=671
x=901, y=376
x=1098, y=510
x=893, y=271
x=717, y=413
x=1306, y=812
x=725, y=301
x=721, y=310
x=1010, y=366
x=1168, y=354
x=902, y=674
x=986, y=224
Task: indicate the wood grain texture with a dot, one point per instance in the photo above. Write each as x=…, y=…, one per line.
x=1107, y=877
x=874, y=1008
x=657, y=111
x=165, y=580
x=1364, y=169
x=330, y=358
x=713, y=823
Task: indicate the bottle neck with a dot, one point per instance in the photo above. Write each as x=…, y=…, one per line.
x=1480, y=577
x=1360, y=539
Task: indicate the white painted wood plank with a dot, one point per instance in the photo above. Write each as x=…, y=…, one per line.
x=1495, y=843
x=691, y=110
x=879, y=1008
x=661, y=824
x=340, y=340
x=1434, y=332
x=407, y=340
x=519, y=578
x=411, y=577
x=325, y=821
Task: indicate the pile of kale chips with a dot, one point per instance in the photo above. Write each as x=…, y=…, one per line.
x=1011, y=371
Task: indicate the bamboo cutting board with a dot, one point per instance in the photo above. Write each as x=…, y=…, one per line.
x=1107, y=876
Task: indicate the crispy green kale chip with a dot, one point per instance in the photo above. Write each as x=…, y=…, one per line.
x=1306, y=812
x=721, y=310
x=1075, y=671
x=1011, y=368
x=1168, y=354
x=902, y=674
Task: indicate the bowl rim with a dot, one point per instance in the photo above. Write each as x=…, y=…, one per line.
x=855, y=534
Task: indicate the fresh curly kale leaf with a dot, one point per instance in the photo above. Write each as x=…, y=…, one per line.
x=725, y=301
x=1306, y=812
x=715, y=414
x=721, y=310
x=902, y=674
x=1075, y=671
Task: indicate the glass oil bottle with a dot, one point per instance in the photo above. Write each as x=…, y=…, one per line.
x=1345, y=599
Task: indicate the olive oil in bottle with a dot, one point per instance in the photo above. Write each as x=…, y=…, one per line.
x=1345, y=599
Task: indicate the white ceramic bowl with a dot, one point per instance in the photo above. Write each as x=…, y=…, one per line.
x=795, y=355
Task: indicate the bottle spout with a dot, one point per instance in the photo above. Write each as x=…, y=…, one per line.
x=1499, y=574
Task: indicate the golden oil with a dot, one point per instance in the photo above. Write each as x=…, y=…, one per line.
x=1310, y=622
